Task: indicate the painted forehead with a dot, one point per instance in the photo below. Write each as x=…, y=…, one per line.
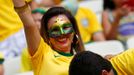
x=58, y=20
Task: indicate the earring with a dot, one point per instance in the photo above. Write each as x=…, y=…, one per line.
x=77, y=38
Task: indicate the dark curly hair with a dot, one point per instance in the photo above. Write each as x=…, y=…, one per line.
x=108, y=4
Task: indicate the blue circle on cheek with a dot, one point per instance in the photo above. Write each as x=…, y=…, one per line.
x=85, y=22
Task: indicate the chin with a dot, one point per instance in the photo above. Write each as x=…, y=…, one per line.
x=64, y=46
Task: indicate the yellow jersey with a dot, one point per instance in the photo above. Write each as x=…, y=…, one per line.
x=1, y=58
x=25, y=61
x=87, y=23
x=46, y=61
x=9, y=20
x=124, y=63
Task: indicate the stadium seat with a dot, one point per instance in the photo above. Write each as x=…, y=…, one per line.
x=12, y=66
x=105, y=47
x=130, y=43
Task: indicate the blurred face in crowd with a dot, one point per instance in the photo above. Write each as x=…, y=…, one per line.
x=61, y=33
x=47, y=3
x=57, y=1
x=119, y=3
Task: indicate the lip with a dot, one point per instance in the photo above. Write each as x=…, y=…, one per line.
x=62, y=40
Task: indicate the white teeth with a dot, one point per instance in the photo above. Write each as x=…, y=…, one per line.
x=63, y=39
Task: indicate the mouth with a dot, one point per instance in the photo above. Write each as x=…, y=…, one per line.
x=62, y=40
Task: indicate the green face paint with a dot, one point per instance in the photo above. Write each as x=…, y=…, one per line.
x=59, y=30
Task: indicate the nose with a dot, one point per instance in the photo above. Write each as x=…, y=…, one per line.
x=62, y=31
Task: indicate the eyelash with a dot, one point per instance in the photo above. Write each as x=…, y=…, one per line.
x=67, y=27
x=56, y=29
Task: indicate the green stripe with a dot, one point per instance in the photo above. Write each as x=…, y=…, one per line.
x=91, y=41
x=64, y=54
x=1, y=61
x=115, y=73
x=39, y=10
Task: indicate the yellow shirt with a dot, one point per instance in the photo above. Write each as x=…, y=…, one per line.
x=28, y=0
x=1, y=58
x=124, y=63
x=9, y=20
x=87, y=23
x=25, y=61
x=48, y=62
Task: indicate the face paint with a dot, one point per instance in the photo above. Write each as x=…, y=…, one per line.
x=59, y=25
x=59, y=30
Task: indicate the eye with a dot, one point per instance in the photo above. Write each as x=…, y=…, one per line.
x=66, y=28
x=55, y=30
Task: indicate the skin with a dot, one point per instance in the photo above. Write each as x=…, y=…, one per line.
x=104, y=72
x=47, y=3
x=63, y=42
x=1, y=69
x=118, y=3
x=111, y=29
x=37, y=18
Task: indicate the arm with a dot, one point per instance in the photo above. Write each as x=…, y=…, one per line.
x=99, y=36
x=32, y=33
x=110, y=29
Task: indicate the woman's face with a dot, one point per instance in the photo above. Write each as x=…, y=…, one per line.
x=47, y=3
x=61, y=33
x=118, y=3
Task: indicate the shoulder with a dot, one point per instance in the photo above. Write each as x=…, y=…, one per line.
x=127, y=55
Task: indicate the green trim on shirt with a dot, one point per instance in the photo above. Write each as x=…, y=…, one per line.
x=91, y=41
x=1, y=61
x=64, y=54
x=115, y=73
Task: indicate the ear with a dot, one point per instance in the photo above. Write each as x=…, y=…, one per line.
x=104, y=72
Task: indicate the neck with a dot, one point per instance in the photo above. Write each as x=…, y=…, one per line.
x=65, y=50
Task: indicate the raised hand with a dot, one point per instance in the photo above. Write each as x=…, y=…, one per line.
x=18, y=3
x=123, y=11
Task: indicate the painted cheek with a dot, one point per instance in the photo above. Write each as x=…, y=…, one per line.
x=53, y=41
x=71, y=37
